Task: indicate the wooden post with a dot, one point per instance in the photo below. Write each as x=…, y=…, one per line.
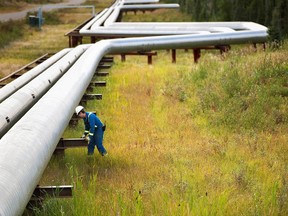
x=173, y=56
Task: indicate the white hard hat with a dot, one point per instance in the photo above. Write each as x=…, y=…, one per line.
x=78, y=109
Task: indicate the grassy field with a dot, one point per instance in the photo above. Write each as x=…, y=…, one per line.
x=172, y=151
x=183, y=139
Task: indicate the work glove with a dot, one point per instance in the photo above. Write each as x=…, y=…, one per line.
x=83, y=136
x=104, y=127
x=87, y=138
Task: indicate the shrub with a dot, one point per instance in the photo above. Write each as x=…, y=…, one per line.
x=10, y=31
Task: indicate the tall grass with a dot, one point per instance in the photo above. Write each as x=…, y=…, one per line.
x=166, y=156
x=10, y=31
x=183, y=139
x=242, y=93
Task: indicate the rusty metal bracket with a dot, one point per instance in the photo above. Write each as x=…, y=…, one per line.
x=108, y=59
x=95, y=84
x=148, y=54
x=42, y=192
x=71, y=143
x=102, y=73
x=91, y=97
x=98, y=83
x=104, y=66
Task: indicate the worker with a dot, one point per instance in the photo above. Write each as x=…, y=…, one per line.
x=94, y=130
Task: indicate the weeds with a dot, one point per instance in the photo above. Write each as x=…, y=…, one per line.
x=183, y=139
x=10, y=31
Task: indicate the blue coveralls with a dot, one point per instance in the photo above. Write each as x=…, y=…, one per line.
x=93, y=127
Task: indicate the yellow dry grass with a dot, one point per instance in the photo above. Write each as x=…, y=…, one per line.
x=164, y=157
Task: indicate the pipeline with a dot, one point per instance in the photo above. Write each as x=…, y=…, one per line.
x=104, y=24
x=13, y=86
x=18, y=103
x=27, y=147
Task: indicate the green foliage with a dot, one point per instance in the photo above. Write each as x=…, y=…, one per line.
x=10, y=31
x=272, y=14
x=51, y=18
x=236, y=100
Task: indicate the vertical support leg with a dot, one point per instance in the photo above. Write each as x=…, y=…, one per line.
x=123, y=57
x=93, y=39
x=197, y=54
x=264, y=46
x=173, y=56
x=149, y=59
x=255, y=47
x=74, y=41
x=70, y=42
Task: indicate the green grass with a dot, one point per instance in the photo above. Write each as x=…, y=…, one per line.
x=183, y=139
x=10, y=31
x=166, y=154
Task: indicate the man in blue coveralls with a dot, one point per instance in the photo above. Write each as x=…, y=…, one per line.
x=94, y=128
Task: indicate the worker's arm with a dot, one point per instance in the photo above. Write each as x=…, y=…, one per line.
x=86, y=130
x=92, y=123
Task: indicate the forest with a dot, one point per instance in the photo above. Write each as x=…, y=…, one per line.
x=271, y=13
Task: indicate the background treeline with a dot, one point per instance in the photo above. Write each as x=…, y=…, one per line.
x=271, y=13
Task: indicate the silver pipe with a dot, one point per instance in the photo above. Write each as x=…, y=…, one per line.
x=27, y=147
x=115, y=14
x=137, y=32
x=126, y=29
x=96, y=18
x=18, y=103
x=99, y=20
x=13, y=86
x=149, y=6
x=140, y=1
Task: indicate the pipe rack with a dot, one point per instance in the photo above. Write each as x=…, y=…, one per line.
x=26, y=149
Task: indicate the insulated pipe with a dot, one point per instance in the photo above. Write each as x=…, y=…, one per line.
x=115, y=14
x=99, y=20
x=159, y=30
x=97, y=17
x=236, y=26
x=138, y=32
x=13, y=86
x=140, y=1
x=179, y=28
x=25, y=150
x=125, y=29
x=18, y=103
x=149, y=6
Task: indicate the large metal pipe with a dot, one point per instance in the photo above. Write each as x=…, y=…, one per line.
x=140, y=1
x=13, y=86
x=18, y=103
x=115, y=14
x=27, y=147
x=106, y=25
